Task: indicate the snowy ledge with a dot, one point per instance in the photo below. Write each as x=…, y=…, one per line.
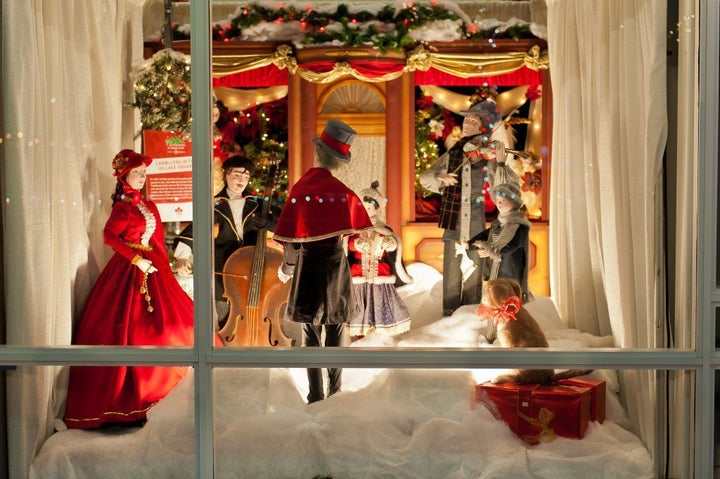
x=500, y=14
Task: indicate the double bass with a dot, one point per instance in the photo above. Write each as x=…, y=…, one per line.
x=257, y=297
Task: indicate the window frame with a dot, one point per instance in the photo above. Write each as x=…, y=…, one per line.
x=704, y=360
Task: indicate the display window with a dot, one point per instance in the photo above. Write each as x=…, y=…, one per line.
x=227, y=223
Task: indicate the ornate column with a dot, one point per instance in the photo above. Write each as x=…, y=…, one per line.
x=302, y=118
x=399, y=151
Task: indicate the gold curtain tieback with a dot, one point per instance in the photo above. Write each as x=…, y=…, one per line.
x=283, y=58
x=536, y=60
x=419, y=59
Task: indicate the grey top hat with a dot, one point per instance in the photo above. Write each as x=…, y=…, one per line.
x=510, y=191
x=336, y=139
x=487, y=110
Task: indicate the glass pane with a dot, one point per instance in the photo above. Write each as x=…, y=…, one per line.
x=716, y=429
x=403, y=423
x=260, y=116
x=126, y=415
x=420, y=423
x=97, y=270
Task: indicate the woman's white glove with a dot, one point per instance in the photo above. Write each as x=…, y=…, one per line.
x=145, y=265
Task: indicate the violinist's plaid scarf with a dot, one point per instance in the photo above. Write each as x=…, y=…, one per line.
x=450, y=206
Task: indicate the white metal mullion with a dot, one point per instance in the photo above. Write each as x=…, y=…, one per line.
x=97, y=355
x=446, y=358
x=707, y=240
x=417, y=358
x=201, y=53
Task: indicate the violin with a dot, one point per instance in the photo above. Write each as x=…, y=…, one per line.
x=257, y=297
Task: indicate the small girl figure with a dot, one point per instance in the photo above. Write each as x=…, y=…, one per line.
x=375, y=258
x=507, y=241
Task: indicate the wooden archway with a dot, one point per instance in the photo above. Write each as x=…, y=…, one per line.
x=422, y=240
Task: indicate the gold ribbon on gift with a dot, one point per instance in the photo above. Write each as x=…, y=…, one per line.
x=543, y=422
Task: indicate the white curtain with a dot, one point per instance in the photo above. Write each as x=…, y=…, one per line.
x=367, y=165
x=685, y=178
x=607, y=63
x=66, y=83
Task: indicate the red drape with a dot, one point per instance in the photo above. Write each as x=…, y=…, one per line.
x=270, y=75
x=262, y=77
x=523, y=76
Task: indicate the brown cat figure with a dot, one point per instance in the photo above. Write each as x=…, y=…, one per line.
x=516, y=328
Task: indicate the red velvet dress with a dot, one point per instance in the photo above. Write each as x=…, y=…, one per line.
x=119, y=313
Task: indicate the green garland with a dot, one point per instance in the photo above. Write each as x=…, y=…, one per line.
x=162, y=92
x=386, y=30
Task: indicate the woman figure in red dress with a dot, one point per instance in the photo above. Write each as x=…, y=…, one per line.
x=136, y=301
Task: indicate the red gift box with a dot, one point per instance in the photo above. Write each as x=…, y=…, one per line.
x=597, y=395
x=538, y=412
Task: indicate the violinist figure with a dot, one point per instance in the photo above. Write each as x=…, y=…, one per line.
x=237, y=221
x=321, y=209
x=463, y=174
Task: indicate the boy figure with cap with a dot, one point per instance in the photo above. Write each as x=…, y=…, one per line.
x=320, y=209
x=506, y=243
x=236, y=225
x=461, y=175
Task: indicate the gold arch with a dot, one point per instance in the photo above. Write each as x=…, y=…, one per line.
x=374, y=88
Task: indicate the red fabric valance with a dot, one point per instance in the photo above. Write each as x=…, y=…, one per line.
x=262, y=77
x=523, y=76
x=270, y=75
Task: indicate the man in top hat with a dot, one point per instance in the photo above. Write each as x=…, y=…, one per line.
x=462, y=175
x=320, y=209
x=236, y=224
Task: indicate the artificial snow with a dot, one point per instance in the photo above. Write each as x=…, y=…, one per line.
x=383, y=424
